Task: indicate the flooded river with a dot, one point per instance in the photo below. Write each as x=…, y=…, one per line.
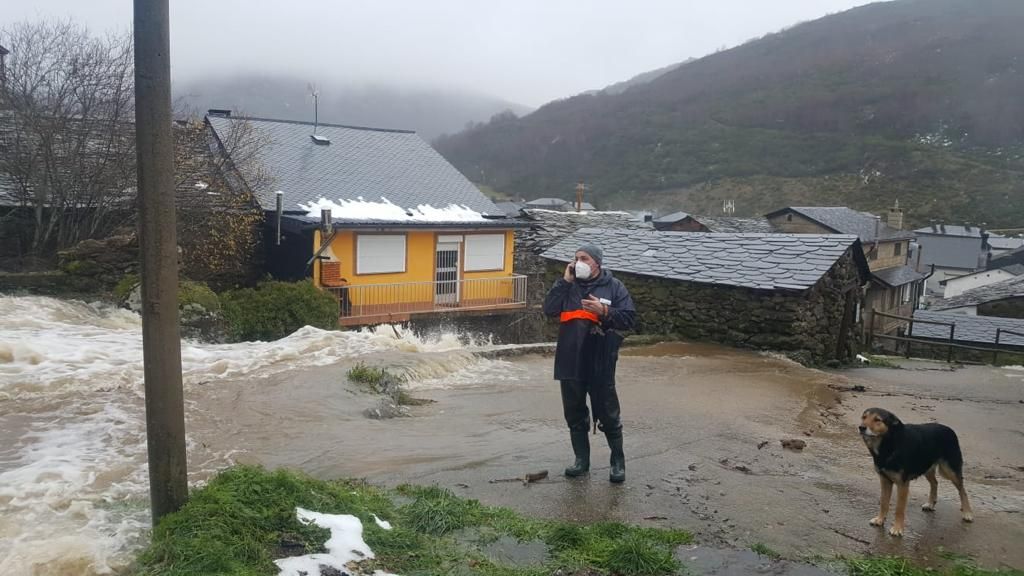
x=703, y=426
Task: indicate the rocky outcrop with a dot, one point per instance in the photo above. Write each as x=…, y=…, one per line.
x=107, y=260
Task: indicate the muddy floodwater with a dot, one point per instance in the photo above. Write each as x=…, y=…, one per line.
x=703, y=426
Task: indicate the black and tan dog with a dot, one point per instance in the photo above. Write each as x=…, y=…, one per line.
x=903, y=452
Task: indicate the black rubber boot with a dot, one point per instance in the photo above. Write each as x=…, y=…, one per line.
x=581, y=448
x=617, y=473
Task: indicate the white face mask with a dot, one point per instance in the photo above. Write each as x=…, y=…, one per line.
x=583, y=270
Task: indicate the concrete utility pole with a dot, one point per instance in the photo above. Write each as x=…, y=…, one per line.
x=161, y=343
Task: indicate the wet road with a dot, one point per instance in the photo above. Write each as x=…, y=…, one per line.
x=703, y=428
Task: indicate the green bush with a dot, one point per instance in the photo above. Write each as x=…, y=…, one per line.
x=197, y=293
x=125, y=286
x=274, y=310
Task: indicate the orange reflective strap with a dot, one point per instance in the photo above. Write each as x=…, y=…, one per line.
x=579, y=315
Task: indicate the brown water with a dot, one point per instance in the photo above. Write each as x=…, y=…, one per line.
x=72, y=443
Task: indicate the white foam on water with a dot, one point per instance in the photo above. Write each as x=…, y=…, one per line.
x=73, y=475
x=49, y=345
x=469, y=372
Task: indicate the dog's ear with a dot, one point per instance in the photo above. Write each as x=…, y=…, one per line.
x=893, y=422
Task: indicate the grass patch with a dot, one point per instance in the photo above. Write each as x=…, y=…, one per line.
x=894, y=566
x=762, y=549
x=244, y=519
x=377, y=379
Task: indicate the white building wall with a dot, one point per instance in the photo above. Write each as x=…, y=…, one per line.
x=957, y=286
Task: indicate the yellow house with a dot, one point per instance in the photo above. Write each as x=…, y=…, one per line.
x=382, y=220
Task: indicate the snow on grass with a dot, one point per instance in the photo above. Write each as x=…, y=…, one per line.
x=345, y=545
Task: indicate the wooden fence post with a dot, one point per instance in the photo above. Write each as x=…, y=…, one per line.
x=949, y=355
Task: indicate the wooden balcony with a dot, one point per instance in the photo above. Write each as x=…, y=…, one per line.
x=384, y=303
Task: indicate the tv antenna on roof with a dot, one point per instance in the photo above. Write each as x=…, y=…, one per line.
x=317, y=139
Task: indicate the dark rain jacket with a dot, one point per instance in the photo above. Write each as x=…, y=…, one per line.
x=588, y=351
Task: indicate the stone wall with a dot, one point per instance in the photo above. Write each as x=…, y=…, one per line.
x=805, y=325
x=1007, y=308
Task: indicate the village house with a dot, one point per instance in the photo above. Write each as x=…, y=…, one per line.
x=1000, y=245
x=380, y=219
x=960, y=284
x=683, y=222
x=896, y=285
x=1005, y=299
x=951, y=251
x=797, y=293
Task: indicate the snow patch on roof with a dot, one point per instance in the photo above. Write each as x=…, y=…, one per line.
x=385, y=210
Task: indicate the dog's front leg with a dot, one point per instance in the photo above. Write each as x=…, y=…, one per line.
x=883, y=504
x=902, y=494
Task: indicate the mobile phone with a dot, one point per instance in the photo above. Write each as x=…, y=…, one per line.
x=572, y=269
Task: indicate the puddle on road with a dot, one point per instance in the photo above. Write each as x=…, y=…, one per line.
x=703, y=561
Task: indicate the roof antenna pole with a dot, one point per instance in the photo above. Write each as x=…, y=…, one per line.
x=316, y=106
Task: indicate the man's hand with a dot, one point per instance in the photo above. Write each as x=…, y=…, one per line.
x=593, y=304
x=570, y=275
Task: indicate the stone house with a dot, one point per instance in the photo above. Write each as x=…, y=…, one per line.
x=545, y=228
x=896, y=284
x=796, y=293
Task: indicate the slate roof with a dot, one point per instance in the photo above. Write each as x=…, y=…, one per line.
x=898, y=276
x=1000, y=242
x=510, y=209
x=737, y=225
x=843, y=220
x=761, y=261
x=547, y=203
x=359, y=162
x=951, y=230
x=1009, y=288
x=547, y=227
x=1007, y=259
x=671, y=218
x=976, y=329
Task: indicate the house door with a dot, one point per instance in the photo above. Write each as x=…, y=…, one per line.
x=446, y=273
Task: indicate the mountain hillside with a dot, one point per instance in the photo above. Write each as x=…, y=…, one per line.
x=915, y=100
x=429, y=112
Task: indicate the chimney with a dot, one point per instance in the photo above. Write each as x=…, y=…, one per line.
x=895, y=219
x=222, y=112
x=878, y=228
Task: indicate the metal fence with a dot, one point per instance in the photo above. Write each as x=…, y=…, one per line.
x=367, y=300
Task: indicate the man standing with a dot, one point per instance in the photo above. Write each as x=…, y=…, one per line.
x=593, y=307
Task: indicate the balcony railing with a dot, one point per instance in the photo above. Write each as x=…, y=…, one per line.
x=383, y=302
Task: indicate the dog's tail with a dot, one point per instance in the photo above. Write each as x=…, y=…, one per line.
x=951, y=452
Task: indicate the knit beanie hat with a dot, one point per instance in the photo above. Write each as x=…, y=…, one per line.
x=596, y=253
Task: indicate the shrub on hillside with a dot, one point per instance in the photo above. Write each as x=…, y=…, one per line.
x=274, y=310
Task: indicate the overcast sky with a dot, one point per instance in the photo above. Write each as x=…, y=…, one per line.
x=526, y=51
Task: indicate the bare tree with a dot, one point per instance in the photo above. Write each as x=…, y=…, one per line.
x=66, y=128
